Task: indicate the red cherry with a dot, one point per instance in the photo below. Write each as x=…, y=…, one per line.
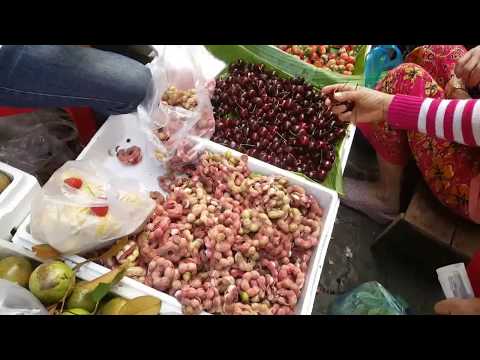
x=263, y=132
x=321, y=175
x=303, y=132
x=321, y=145
x=296, y=128
x=302, y=140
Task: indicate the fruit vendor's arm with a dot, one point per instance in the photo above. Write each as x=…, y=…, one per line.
x=454, y=120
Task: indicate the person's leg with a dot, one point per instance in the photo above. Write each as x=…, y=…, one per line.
x=71, y=76
x=380, y=200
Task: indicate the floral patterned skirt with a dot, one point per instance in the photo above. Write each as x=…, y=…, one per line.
x=448, y=168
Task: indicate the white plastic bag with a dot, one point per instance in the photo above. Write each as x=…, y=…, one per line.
x=74, y=220
x=15, y=300
x=171, y=129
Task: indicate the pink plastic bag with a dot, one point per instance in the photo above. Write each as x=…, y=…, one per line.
x=172, y=129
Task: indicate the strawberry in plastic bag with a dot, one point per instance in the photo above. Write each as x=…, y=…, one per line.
x=82, y=208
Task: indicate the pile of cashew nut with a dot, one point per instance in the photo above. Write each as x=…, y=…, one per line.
x=184, y=98
x=226, y=240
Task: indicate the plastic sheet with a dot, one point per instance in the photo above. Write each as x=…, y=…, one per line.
x=15, y=300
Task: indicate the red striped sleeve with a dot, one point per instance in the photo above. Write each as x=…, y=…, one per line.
x=431, y=115
x=448, y=120
x=467, y=130
x=459, y=119
x=403, y=112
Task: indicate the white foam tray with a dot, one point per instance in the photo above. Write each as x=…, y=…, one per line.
x=15, y=199
x=8, y=248
x=120, y=129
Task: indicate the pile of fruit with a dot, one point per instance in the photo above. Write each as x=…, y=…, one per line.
x=284, y=122
x=54, y=285
x=338, y=58
x=4, y=181
x=183, y=98
x=226, y=240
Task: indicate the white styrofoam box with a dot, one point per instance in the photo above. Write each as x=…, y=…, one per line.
x=120, y=129
x=8, y=248
x=347, y=145
x=126, y=288
x=15, y=199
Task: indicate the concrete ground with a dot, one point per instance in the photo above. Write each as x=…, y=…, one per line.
x=351, y=262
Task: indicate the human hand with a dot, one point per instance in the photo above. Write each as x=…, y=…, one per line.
x=458, y=307
x=369, y=105
x=468, y=68
x=455, y=89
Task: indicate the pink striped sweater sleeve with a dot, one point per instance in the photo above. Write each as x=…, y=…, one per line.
x=454, y=120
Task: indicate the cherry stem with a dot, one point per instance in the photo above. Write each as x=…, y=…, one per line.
x=281, y=136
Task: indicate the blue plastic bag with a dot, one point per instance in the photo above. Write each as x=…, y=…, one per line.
x=370, y=298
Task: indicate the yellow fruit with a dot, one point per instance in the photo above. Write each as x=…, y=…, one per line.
x=16, y=269
x=76, y=312
x=51, y=281
x=142, y=305
x=113, y=307
x=4, y=181
x=80, y=299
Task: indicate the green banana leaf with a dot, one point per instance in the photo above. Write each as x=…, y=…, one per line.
x=288, y=66
x=316, y=76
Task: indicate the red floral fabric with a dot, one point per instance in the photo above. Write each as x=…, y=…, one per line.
x=448, y=168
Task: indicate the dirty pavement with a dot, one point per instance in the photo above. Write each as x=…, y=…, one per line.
x=350, y=260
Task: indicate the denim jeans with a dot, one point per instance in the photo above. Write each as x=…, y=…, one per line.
x=50, y=76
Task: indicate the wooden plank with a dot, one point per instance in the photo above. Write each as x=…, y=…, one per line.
x=406, y=244
x=430, y=218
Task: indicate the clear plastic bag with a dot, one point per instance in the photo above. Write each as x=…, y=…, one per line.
x=15, y=300
x=171, y=128
x=37, y=142
x=370, y=298
x=75, y=217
